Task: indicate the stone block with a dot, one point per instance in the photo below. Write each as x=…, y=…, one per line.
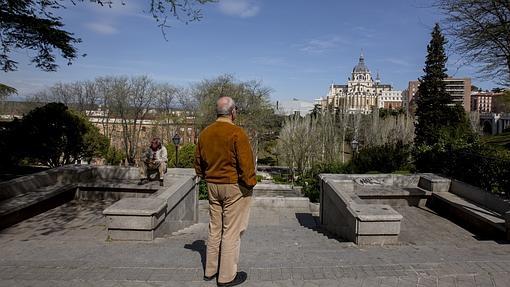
x=434, y=183
x=135, y=214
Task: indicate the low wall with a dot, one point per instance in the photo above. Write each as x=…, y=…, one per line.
x=345, y=214
x=171, y=208
x=142, y=213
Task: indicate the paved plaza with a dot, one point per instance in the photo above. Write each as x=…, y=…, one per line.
x=67, y=246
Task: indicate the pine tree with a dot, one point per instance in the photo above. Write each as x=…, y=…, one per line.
x=433, y=101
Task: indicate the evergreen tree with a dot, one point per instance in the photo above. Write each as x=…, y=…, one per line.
x=433, y=101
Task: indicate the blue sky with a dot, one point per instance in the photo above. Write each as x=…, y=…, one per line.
x=296, y=47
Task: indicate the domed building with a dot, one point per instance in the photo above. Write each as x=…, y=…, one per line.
x=361, y=94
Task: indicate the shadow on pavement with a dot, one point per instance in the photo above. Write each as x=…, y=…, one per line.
x=200, y=247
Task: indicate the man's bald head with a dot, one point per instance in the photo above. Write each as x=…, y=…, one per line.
x=224, y=106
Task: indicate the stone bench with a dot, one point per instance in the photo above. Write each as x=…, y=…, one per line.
x=135, y=218
x=345, y=214
x=27, y=196
x=28, y=204
x=473, y=216
x=393, y=195
x=171, y=208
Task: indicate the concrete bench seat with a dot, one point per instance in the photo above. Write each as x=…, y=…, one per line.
x=469, y=214
x=165, y=211
x=22, y=206
x=393, y=195
x=135, y=218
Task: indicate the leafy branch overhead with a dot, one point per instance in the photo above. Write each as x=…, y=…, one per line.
x=481, y=33
x=34, y=25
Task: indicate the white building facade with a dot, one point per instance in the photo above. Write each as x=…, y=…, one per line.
x=362, y=93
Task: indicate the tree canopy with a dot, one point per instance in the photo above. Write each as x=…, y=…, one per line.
x=481, y=32
x=34, y=25
x=53, y=135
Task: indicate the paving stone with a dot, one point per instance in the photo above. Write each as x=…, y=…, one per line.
x=277, y=250
x=483, y=280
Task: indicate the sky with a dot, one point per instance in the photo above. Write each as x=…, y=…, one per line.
x=295, y=47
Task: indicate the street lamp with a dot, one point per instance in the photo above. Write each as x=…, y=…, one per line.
x=176, y=140
x=354, y=145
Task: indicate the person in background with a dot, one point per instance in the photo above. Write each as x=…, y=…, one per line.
x=154, y=160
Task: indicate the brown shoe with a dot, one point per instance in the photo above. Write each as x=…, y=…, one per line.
x=239, y=279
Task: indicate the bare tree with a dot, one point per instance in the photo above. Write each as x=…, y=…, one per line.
x=481, y=29
x=255, y=113
x=377, y=131
x=131, y=101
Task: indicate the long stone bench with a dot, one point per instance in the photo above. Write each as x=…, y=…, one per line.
x=25, y=205
x=481, y=212
x=474, y=217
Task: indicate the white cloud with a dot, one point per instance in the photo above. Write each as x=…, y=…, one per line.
x=102, y=28
x=239, y=8
x=318, y=46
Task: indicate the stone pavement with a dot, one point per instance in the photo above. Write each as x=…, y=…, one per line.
x=66, y=246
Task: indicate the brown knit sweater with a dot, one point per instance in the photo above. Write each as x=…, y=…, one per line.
x=224, y=155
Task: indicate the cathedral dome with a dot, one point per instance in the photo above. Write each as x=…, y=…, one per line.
x=361, y=67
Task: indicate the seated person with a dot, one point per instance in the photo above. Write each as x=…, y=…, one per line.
x=154, y=160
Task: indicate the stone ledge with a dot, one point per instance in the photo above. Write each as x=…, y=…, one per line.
x=141, y=206
x=281, y=202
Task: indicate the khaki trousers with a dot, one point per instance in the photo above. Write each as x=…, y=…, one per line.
x=147, y=167
x=229, y=209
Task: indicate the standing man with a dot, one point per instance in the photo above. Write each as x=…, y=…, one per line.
x=224, y=158
x=154, y=160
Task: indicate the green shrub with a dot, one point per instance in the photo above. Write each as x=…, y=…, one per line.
x=114, y=156
x=481, y=166
x=259, y=178
x=202, y=190
x=186, y=155
x=281, y=179
x=310, y=179
x=382, y=159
